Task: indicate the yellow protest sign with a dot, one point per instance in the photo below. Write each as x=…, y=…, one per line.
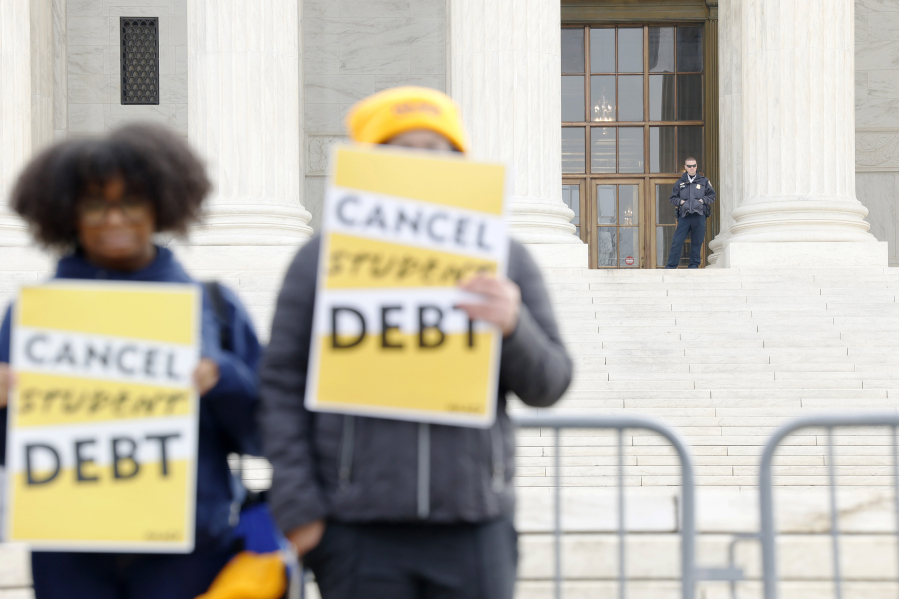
x=400, y=230
x=103, y=420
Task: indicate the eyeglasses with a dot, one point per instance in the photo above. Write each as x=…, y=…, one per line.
x=691, y=165
x=93, y=211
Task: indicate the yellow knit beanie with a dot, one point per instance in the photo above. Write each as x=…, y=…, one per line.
x=386, y=114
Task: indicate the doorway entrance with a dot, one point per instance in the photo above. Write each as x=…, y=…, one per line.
x=627, y=223
x=632, y=111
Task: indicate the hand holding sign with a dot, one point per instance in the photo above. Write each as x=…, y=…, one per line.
x=501, y=305
x=206, y=376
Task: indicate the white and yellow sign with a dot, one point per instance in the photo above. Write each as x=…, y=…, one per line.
x=103, y=421
x=400, y=231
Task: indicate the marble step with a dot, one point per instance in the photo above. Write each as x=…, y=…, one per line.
x=756, y=388
x=581, y=349
x=744, y=364
x=656, y=557
x=772, y=287
x=723, y=272
x=15, y=570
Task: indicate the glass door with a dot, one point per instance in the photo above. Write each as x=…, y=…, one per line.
x=617, y=214
x=626, y=223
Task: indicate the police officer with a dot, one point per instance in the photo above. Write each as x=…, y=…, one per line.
x=692, y=198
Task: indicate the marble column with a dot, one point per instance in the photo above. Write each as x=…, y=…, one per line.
x=42, y=82
x=505, y=74
x=26, y=99
x=730, y=122
x=15, y=109
x=244, y=107
x=26, y=126
x=796, y=138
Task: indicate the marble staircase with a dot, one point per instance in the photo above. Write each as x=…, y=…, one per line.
x=724, y=356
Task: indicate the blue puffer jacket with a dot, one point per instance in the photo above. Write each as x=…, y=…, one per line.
x=227, y=412
x=697, y=196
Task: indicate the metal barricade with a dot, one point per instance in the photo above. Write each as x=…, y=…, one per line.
x=689, y=572
x=766, y=491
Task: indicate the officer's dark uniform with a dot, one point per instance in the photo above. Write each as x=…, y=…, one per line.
x=698, y=196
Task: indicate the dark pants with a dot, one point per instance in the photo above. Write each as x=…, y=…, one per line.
x=416, y=561
x=124, y=576
x=694, y=225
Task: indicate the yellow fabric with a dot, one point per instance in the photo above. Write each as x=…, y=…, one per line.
x=249, y=576
x=386, y=114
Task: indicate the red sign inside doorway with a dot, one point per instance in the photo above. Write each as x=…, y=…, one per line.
x=629, y=260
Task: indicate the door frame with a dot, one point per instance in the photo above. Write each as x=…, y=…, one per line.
x=647, y=220
x=594, y=225
x=661, y=12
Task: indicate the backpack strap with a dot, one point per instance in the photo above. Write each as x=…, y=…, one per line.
x=220, y=309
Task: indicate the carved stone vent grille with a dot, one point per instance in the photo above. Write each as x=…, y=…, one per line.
x=140, y=60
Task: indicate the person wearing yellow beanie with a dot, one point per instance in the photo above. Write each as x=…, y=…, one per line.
x=420, y=117
x=383, y=509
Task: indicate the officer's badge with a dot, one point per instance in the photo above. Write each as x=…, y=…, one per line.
x=697, y=186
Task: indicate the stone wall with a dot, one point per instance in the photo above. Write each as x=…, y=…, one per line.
x=92, y=93
x=353, y=48
x=877, y=117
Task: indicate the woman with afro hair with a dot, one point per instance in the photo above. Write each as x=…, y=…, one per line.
x=99, y=202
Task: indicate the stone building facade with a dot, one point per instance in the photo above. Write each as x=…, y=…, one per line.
x=498, y=59
x=798, y=130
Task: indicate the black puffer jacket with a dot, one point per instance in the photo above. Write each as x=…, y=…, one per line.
x=358, y=469
x=697, y=196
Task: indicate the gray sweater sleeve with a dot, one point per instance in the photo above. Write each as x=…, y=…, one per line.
x=295, y=496
x=534, y=365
